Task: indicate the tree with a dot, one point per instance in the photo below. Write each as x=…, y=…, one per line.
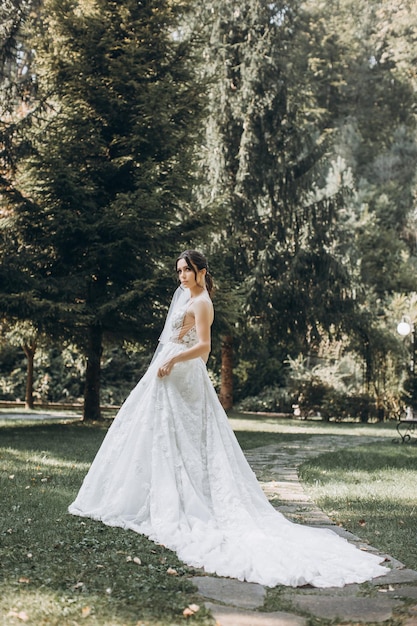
x=108, y=174
x=26, y=336
x=266, y=160
x=378, y=142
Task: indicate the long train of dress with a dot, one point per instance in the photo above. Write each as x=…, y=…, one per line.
x=171, y=468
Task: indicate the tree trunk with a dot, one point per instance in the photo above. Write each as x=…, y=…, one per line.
x=92, y=376
x=364, y=416
x=30, y=355
x=226, y=376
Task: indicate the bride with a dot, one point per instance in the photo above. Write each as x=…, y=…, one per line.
x=171, y=468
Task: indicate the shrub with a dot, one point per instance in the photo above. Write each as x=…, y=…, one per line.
x=274, y=398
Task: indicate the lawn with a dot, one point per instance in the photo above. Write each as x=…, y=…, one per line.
x=371, y=491
x=59, y=570
x=62, y=570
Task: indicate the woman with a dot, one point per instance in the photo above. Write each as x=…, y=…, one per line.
x=170, y=468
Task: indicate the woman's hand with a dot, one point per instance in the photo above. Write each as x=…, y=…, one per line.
x=166, y=368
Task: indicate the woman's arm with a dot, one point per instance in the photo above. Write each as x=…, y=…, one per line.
x=203, y=313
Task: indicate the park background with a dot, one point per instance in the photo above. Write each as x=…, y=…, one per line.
x=278, y=138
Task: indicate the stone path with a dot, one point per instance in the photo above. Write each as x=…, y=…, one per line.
x=391, y=598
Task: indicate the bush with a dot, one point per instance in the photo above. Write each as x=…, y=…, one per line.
x=274, y=398
x=311, y=395
x=344, y=406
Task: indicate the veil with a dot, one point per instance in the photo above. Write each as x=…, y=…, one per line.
x=180, y=298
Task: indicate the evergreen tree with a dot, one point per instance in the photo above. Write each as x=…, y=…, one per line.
x=109, y=172
x=266, y=160
x=378, y=143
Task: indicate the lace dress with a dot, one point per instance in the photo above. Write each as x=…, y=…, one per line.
x=171, y=468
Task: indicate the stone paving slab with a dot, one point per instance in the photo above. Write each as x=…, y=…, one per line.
x=403, y=592
x=227, y=616
x=346, y=591
x=396, y=577
x=350, y=609
x=242, y=594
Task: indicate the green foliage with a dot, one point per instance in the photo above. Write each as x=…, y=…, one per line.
x=273, y=399
x=12, y=373
x=332, y=390
x=60, y=372
x=340, y=406
x=306, y=158
x=109, y=162
x=100, y=197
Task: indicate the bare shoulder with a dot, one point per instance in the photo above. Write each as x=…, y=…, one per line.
x=203, y=306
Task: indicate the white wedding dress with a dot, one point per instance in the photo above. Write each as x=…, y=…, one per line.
x=171, y=468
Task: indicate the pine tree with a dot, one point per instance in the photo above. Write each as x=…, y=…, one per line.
x=109, y=173
x=267, y=161
x=377, y=140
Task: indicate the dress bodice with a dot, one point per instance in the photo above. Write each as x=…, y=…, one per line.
x=179, y=332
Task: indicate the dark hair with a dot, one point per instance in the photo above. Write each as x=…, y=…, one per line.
x=195, y=260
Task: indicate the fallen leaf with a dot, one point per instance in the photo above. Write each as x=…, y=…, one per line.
x=187, y=612
x=190, y=610
x=79, y=585
x=362, y=522
x=23, y=579
x=22, y=615
x=172, y=572
x=86, y=611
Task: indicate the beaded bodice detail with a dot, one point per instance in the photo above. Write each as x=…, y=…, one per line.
x=180, y=334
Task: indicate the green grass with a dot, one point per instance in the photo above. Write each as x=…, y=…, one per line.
x=61, y=570
x=371, y=491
